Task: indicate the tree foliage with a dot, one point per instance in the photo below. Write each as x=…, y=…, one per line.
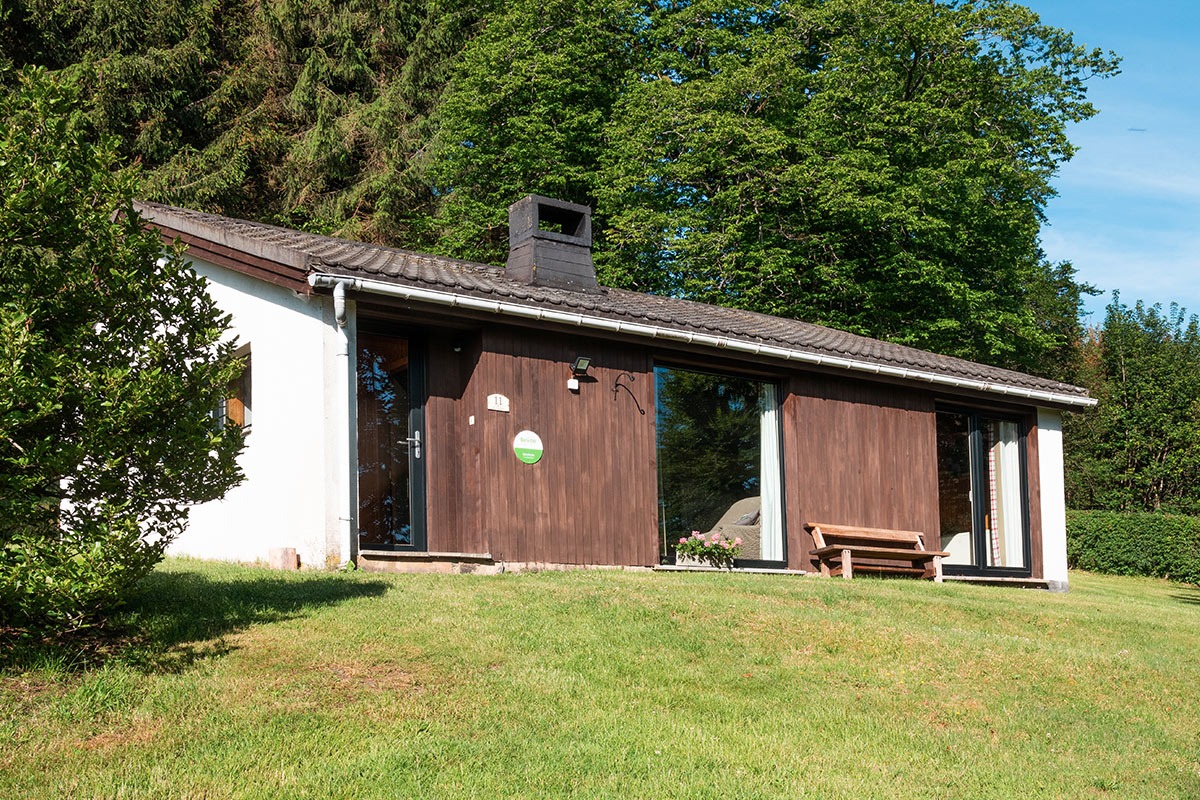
x=880, y=167
x=111, y=364
x=314, y=114
x=524, y=114
x=877, y=165
x=1139, y=449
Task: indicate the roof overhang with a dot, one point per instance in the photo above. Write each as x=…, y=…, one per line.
x=661, y=333
x=270, y=262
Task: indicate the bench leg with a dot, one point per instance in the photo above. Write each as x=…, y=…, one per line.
x=847, y=567
x=824, y=567
x=937, y=569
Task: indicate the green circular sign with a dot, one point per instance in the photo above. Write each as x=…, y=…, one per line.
x=528, y=447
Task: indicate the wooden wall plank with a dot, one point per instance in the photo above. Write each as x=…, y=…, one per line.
x=857, y=454
x=592, y=499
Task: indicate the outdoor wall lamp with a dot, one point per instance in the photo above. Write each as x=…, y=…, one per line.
x=579, y=369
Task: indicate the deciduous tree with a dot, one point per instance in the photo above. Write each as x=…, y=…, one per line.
x=881, y=167
x=876, y=165
x=1139, y=449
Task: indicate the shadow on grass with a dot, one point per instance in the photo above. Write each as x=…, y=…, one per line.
x=1189, y=594
x=179, y=617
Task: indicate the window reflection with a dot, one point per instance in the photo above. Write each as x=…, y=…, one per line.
x=384, y=512
x=981, y=491
x=718, y=461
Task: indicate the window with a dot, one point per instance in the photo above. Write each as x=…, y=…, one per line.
x=235, y=406
x=981, y=492
x=718, y=461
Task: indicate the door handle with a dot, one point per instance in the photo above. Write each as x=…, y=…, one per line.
x=414, y=443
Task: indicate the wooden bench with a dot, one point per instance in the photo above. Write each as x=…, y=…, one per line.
x=869, y=550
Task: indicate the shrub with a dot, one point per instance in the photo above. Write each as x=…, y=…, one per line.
x=1155, y=545
x=112, y=360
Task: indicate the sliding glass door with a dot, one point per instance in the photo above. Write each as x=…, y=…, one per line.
x=391, y=457
x=981, y=492
x=718, y=462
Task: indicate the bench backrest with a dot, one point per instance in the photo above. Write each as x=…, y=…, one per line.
x=823, y=533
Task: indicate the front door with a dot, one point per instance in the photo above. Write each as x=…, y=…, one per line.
x=391, y=443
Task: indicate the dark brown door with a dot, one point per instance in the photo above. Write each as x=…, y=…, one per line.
x=390, y=447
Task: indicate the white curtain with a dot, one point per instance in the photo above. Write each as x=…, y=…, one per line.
x=772, y=515
x=1009, y=526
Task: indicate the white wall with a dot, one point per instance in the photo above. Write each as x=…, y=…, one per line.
x=1053, y=493
x=284, y=501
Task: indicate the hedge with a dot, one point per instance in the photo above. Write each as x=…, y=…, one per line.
x=1156, y=545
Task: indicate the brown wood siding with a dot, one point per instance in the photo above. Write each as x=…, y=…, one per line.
x=857, y=454
x=1033, y=477
x=448, y=499
x=592, y=498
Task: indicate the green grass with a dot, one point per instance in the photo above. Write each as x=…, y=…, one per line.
x=249, y=683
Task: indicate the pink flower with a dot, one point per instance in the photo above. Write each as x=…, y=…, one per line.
x=682, y=539
x=716, y=537
x=737, y=542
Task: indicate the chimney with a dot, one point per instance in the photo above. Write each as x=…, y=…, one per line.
x=550, y=244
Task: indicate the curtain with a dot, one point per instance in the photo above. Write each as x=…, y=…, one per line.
x=1010, y=524
x=1006, y=531
x=772, y=490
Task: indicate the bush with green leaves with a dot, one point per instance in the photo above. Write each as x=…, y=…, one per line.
x=1155, y=545
x=112, y=359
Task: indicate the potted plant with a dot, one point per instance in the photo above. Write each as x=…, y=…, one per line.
x=715, y=550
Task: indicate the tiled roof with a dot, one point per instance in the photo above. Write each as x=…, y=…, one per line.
x=310, y=253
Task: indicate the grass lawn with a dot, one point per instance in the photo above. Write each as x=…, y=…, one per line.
x=250, y=683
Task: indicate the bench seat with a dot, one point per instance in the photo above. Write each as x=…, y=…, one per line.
x=841, y=549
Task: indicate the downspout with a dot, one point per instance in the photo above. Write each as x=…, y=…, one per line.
x=342, y=428
x=339, y=305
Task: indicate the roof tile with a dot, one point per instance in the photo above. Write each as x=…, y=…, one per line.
x=328, y=254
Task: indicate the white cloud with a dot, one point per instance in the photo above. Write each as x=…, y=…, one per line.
x=1155, y=266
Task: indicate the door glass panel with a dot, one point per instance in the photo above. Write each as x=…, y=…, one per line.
x=981, y=491
x=718, y=461
x=384, y=473
x=1004, y=520
x=954, y=486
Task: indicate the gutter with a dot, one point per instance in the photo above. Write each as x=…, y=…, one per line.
x=451, y=300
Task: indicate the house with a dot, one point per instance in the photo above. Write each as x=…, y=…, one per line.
x=408, y=411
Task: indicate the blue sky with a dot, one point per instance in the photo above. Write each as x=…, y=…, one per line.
x=1128, y=211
